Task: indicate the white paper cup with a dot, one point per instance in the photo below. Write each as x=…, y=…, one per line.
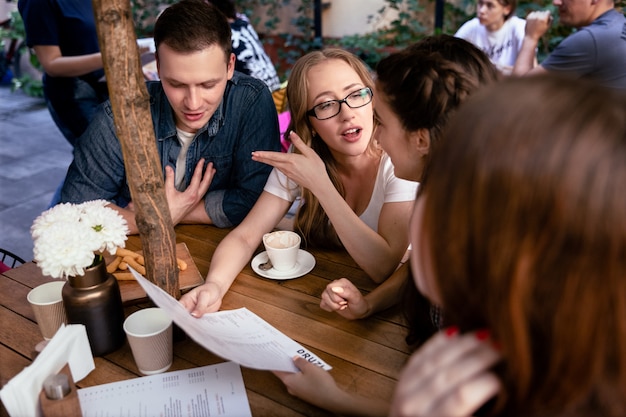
x=149, y=332
x=282, y=248
x=47, y=303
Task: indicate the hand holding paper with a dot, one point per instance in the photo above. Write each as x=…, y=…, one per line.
x=237, y=335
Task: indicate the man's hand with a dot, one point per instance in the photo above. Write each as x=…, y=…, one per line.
x=181, y=203
x=537, y=24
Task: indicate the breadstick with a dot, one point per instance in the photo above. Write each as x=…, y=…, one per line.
x=125, y=252
x=126, y=258
x=114, y=264
x=132, y=262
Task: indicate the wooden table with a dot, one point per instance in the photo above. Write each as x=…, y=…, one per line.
x=366, y=355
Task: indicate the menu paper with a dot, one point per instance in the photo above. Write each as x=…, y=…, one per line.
x=237, y=335
x=214, y=390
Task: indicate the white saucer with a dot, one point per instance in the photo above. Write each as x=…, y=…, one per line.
x=304, y=265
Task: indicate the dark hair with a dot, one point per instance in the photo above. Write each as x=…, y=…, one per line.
x=192, y=25
x=225, y=6
x=426, y=81
x=473, y=60
x=524, y=220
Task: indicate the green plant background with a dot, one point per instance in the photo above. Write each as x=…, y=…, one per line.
x=413, y=22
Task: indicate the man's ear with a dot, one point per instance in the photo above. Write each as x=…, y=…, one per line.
x=230, y=67
x=420, y=139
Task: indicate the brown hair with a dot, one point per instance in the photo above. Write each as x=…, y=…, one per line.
x=192, y=25
x=504, y=3
x=525, y=219
x=311, y=221
x=512, y=4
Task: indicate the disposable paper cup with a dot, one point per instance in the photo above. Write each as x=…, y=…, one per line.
x=282, y=249
x=47, y=303
x=149, y=333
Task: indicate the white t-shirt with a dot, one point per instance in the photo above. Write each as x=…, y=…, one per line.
x=387, y=189
x=501, y=46
x=185, y=139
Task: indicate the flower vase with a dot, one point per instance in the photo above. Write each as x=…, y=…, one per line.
x=94, y=299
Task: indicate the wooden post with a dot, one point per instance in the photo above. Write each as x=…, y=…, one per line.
x=133, y=124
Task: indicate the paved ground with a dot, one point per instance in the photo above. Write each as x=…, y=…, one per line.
x=34, y=157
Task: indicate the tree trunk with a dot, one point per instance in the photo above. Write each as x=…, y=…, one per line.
x=133, y=124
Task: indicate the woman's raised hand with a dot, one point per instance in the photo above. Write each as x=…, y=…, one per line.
x=306, y=168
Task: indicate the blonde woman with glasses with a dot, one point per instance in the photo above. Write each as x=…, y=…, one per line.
x=350, y=197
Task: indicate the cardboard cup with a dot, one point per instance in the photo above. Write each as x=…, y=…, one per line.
x=149, y=332
x=47, y=303
x=282, y=248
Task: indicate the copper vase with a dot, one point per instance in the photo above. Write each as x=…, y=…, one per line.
x=94, y=300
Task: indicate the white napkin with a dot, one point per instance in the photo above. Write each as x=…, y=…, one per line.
x=69, y=345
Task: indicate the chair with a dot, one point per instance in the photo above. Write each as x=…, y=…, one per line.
x=10, y=259
x=280, y=98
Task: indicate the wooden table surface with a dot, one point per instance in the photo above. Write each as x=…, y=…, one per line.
x=366, y=355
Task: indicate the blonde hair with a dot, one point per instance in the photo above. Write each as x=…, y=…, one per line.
x=311, y=221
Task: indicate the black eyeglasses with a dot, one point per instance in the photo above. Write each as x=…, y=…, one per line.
x=331, y=108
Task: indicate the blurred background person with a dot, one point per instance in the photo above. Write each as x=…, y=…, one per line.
x=250, y=57
x=496, y=31
x=63, y=36
x=596, y=50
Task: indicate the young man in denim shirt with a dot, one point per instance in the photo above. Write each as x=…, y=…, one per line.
x=200, y=104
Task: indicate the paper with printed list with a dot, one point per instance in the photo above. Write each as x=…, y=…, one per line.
x=214, y=390
x=237, y=335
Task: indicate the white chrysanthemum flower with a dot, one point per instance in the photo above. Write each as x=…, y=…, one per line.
x=68, y=236
x=61, y=213
x=60, y=251
x=107, y=228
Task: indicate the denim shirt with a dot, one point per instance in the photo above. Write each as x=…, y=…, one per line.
x=245, y=121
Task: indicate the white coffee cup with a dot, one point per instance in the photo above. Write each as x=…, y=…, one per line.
x=282, y=248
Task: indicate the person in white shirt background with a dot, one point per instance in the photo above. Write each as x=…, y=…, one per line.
x=496, y=31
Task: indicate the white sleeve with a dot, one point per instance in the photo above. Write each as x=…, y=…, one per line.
x=281, y=186
x=467, y=30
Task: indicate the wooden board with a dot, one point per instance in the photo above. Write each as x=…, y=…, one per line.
x=132, y=291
